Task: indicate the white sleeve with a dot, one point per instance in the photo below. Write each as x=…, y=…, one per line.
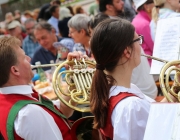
x=129, y=119
x=34, y=123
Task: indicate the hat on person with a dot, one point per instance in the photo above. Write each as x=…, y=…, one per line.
x=68, y=42
x=13, y=24
x=65, y=42
x=138, y=3
x=65, y=13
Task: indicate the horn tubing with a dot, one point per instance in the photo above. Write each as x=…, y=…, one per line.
x=45, y=65
x=155, y=58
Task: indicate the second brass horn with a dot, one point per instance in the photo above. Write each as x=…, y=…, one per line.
x=164, y=82
x=74, y=89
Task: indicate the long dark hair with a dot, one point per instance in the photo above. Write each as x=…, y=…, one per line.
x=108, y=43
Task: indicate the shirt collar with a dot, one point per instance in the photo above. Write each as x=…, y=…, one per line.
x=115, y=90
x=20, y=89
x=53, y=18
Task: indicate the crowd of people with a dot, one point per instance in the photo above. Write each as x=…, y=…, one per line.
x=115, y=33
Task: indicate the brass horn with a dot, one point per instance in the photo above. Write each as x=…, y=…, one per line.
x=77, y=83
x=167, y=69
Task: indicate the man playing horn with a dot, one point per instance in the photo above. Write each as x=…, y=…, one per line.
x=24, y=115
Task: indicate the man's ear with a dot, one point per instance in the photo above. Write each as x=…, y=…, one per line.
x=109, y=7
x=127, y=52
x=53, y=31
x=14, y=70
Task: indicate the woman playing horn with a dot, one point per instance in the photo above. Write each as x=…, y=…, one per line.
x=119, y=107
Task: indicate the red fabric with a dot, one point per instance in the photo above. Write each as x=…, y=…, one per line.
x=23, y=35
x=107, y=131
x=7, y=101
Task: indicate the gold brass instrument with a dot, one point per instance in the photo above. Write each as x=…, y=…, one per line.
x=44, y=66
x=164, y=83
x=76, y=83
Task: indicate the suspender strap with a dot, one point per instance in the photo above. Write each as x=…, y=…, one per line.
x=19, y=105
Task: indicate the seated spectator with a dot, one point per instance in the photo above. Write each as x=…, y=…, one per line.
x=9, y=17
x=65, y=16
x=30, y=44
x=46, y=37
x=94, y=8
x=78, y=10
x=44, y=13
x=54, y=10
x=36, y=13
x=71, y=10
x=27, y=14
x=78, y=30
x=14, y=29
x=17, y=15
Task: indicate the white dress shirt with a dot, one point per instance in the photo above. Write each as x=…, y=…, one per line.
x=32, y=121
x=130, y=115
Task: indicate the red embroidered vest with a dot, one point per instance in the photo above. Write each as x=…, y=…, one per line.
x=107, y=131
x=7, y=102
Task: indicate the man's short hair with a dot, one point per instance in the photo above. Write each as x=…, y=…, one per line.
x=56, y=2
x=29, y=20
x=52, y=9
x=8, y=56
x=44, y=25
x=103, y=3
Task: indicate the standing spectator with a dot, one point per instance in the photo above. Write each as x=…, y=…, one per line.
x=129, y=10
x=112, y=8
x=163, y=9
x=65, y=16
x=29, y=43
x=142, y=24
x=54, y=10
x=44, y=13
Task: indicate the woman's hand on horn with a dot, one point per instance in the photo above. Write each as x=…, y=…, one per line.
x=76, y=55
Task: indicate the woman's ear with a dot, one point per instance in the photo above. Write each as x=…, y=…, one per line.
x=83, y=32
x=127, y=52
x=14, y=70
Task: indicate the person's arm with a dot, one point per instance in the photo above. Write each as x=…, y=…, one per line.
x=34, y=123
x=129, y=119
x=76, y=54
